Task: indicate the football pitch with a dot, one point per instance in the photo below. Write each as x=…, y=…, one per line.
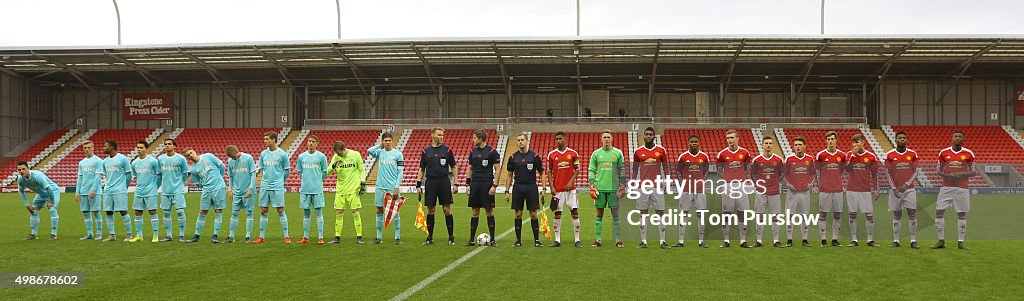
x=274, y=270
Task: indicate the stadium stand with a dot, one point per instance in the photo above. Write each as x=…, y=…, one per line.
x=816, y=139
x=65, y=172
x=990, y=144
x=357, y=140
x=11, y=167
x=459, y=140
x=583, y=142
x=711, y=140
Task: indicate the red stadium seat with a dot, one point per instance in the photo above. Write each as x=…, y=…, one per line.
x=65, y=172
x=990, y=144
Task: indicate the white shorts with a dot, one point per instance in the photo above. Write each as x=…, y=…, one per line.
x=655, y=200
x=859, y=202
x=730, y=204
x=771, y=203
x=908, y=201
x=567, y=198
x=959, y=197
x=798, y=202
x=830, y=202
x=693, y=200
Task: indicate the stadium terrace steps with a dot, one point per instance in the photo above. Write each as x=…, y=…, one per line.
x=459, y=140
x=59, y=153
x=156, y=133
x=757, y=140
x=511, y=146
x=282, y=135
x=64, y=168
x=35, y=154
x=883, y=140
x=502, y=148
x=776, y=148
x=784, y=143
x=158, y=146
x=355, y=140
x=155, y=144
x=290, y=146
x=872, y=141
x=635, y=140
x=1013, y=134
x=288, y=142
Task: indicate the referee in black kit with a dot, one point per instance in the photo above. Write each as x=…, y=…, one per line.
x=523, y=166
x=437, y=163
x=484, y=162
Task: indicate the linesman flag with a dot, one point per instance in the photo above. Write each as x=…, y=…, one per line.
x=545, y=227
x=421, y=217
x=392, y=205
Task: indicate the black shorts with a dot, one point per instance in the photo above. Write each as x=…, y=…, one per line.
x=437, y=190
x=525, y=194
x=479, y=195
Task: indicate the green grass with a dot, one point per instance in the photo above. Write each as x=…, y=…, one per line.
x=374, y=272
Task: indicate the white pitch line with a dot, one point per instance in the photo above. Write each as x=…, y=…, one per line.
x=419, y=286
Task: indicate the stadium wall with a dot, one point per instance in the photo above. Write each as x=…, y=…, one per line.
x=194, y=106
x=969, y=102
x=481, y=105
x=25, y=110
x=902, y=102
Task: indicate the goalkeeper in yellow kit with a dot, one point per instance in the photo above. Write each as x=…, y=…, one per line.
x=348, y=164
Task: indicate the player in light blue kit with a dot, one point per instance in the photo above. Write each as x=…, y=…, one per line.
x=47, y=194
x=207, y=172
x=390, y=166
x=116, y=169
x=146, y=171
x=173, y=169
x=312, y=167
x=275, y=168
x=242, y=172
x=89, y=191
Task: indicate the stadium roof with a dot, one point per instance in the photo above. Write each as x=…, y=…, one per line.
x=532, y=64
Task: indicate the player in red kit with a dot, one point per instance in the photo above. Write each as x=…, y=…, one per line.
x=733, y=162
x=766, y=168
x=648, y=164
x=799, y=176
x=831, y=162
x=862, y=188
x=692, y=166
x=563, y=168
x=956, y=167
x=901, y=163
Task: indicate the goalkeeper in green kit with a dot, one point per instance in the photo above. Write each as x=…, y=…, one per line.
x=607, y=178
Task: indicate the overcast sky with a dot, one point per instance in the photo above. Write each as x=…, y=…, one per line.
x=93, y=22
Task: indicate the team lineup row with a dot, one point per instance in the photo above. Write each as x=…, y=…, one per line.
x=160, y=184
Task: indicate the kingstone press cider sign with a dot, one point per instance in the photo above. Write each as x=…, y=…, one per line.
x=147, y=106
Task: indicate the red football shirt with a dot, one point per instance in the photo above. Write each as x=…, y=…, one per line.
x=799, y=171
x=863, y=172
x=953, y=162
x=734, y=164
x=769, y=170
x=649, y=162
x=693, y=167
x=830, y=170
x=562, y=164
x=901, y=167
